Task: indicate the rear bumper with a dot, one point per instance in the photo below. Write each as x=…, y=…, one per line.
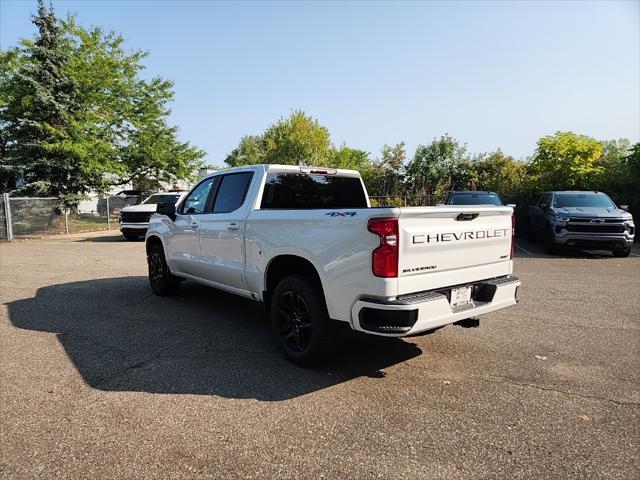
x=423, y=311
x=594, y=240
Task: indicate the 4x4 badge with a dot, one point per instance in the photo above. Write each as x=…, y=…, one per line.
x=342, y=214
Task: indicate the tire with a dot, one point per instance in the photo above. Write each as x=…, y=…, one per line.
x=531, y=233
x=162, y=281
x=300, y=321
x=549, y=247
x=621, y=253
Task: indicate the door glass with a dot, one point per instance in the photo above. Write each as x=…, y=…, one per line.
x=197, y=200
x=232, y=192
x=544, y=200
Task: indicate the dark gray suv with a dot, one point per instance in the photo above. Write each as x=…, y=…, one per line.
x=581, y=219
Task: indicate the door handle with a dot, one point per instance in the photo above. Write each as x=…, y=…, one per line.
x=232, y=226
x=195, y=225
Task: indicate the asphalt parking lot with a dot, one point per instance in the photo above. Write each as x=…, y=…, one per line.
x=101, y=379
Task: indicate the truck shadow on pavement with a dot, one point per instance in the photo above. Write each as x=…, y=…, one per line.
x=106, y=238
x=121, y=337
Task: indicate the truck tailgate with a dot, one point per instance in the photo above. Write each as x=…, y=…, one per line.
x=444, y=246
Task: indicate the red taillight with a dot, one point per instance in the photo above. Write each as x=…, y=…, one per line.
x=384, y=260
x=513, y=236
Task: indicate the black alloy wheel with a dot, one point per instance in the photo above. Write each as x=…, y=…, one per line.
x=156, y=269
x=162, y=281
x=621, y=253
x=300, y=321
x=294, y=323
x=549, y=245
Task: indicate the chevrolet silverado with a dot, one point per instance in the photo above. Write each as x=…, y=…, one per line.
x=306, y=242
x=581, y=220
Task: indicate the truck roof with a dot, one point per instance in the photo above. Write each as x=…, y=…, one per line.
x=574, y=191
x=472, y=192
x=271, y=167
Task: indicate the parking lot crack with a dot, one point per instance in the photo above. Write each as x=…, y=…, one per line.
x=124, y=371
x=577, y=325
x=499, y=379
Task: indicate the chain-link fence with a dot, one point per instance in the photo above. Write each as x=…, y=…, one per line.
x=25, y=217
x=406, y=200
x=3, y=223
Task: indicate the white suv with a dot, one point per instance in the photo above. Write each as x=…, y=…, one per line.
x=134, y=220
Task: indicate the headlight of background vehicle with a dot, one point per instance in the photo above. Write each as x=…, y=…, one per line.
x=629, y=225
x=561, y=221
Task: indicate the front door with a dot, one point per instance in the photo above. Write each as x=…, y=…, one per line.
x=540, y=217
x=184, y=245
x=222, y=231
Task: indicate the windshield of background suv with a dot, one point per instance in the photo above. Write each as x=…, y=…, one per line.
x=561, y=200
x=162, y=198
x=475, y=199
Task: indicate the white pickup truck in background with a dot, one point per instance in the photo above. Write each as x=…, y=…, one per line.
x=134, y=219
x=307, y=243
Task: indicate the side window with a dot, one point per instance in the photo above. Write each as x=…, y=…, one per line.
x=196, y=201
x=544, y=199
x=232, y=192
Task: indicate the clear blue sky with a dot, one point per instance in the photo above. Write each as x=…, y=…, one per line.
x=492, y=74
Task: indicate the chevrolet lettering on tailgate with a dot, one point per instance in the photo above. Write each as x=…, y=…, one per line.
x=459, y=236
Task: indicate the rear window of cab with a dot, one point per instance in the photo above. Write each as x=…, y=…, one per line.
x=296, y=191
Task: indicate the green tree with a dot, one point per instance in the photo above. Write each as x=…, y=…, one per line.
x=77, y=117
x=440, y=166
x=8, y=64
x=250, y=151
x=632, y=162
x=296, y=140
x=38, y=104
x=624, y=186
x=387, y=171
x=350, y=158
x=612, y=164
x=566, y=160
x=501, y=173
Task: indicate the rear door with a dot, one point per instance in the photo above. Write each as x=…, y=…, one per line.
x=222, y=230
x=450, y=243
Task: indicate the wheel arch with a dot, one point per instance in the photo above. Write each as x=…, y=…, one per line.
x=284, y=265
x=151, y=241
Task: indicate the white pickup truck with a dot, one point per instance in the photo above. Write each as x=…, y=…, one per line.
x=307, y=243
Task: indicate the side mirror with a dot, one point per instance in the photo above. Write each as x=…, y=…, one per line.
x=543, y=206
x=512, y=205
x=625, y=207
x=168, y=209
